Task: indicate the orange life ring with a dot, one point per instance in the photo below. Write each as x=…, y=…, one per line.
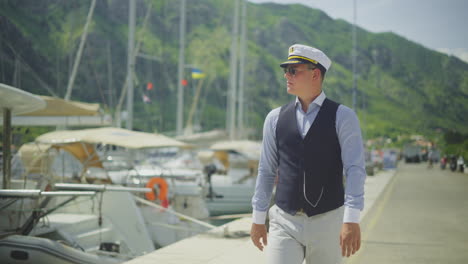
x=163, y=189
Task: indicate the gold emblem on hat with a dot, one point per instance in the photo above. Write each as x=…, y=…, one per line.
x=291, y=49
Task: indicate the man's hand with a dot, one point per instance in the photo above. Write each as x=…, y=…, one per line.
x=350, y=239
x=258, y=232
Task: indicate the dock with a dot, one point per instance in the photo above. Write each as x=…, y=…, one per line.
x=230, y=243
x=420, y=218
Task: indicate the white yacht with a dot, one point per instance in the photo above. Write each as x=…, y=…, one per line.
x=29, y=222
x=178, y=190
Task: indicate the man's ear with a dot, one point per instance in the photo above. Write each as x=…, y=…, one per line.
x=317, y=74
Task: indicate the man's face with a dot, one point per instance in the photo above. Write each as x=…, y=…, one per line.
x=299, y=79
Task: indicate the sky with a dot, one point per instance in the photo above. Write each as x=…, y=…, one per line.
x=440, y=25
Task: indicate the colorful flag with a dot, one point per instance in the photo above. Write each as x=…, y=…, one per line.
x=149, y=86
x=197, y=74
x=146, y=99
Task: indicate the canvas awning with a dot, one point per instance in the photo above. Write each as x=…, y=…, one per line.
x=204, y=139
x=61, y=107
x=36, y=158
x=112, y=136
x=19, y=101
x=61, y=112
x=248, y=148
x=13, y=101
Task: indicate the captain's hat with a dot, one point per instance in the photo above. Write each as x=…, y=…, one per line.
x=299, y=54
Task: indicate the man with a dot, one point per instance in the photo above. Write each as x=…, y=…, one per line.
x=308, y=144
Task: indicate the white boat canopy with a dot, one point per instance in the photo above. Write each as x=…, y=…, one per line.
x=111, y=136
x=62, y=112
x=36, y=159
x=19, y=101
x=250, y=149
x=204, y=139
x=37, y=110
x=13, y=101
x=58, y=106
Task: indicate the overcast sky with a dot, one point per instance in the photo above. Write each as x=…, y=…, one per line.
x=437, y=24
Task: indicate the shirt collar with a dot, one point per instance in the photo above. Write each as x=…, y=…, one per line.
x=318, y=101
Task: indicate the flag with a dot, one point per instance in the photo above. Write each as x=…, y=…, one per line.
x=197, y=74
x=149, y=86
x=146, y=99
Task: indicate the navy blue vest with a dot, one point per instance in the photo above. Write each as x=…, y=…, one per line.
x=310, y=172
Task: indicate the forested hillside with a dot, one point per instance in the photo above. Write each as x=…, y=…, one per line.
x=403, y=87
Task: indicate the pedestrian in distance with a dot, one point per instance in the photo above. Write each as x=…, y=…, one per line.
x=430, y=156
x=443, y=162
x=461, y=163
x=453, y=163
x=312, y=145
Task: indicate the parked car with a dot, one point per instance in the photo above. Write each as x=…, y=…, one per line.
x=412, y=153
x=390, y=159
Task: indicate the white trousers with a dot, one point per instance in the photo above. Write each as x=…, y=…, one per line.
x=295, y=238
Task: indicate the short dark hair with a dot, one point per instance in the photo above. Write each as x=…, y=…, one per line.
x=318, y=66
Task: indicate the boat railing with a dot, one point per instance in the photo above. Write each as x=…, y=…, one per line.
x=14, y=193
x=99, y=187
x=148, y=203
x=105, y=187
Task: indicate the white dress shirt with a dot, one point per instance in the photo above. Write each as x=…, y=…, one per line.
x=352, y=155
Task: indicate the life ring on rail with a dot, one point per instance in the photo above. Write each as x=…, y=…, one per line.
x=163, y=189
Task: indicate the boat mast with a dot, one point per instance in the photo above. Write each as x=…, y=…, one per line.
x=130, y=64
x=243, y=47
x=231, y=96
x=180, y=88
x=354, y=55
x=80, y=51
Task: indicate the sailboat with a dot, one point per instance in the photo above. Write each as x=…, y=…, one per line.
x=178, y=190
x=231, y=189
x=23, y=203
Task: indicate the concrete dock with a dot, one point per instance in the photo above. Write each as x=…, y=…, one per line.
x=420, y=218
x=231, y=243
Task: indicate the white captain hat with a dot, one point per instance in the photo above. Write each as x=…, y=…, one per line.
x=299, y=54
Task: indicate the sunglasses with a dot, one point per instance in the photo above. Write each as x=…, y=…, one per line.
x=292, y=71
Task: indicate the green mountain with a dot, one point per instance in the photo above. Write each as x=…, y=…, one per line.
x=403, y=87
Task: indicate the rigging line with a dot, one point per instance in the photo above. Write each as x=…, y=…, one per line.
x=101, y=93
x=8, y=203
x=30, y=70
x=171, y=211
x=90, y=155
x=176, y=227
x=16, y=75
